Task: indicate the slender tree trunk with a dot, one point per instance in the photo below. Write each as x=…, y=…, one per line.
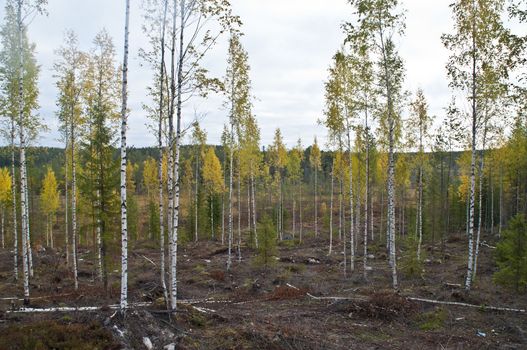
x=51, y=232
x=331, y=213
x=371, y=216
x=222, y=218
x=382, y=220
x=239, y=211
x=100, y=251
x=366, y=199
x=301, y=224
x=211, y=219
x=358, y=204
x=480, y=195
x=231, y=163
x=26, y=249
x=47, y=230
x=391, y=166
x=74, y=206
x=170, y=180
x=420, y=213
x=249, y=205
x=254, y=210
x=3, y=233
x=175, y=215
x=160, y=163
x=352, y=232
x=66, y=208
x=491, y=205
x=124, y=218
x=470, y=264
x=316, y=203
x=196, y=185
x=501, y=203
x=341, y=214
x=28, y=239
x=14, y=201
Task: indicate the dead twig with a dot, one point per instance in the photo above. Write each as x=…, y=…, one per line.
x=455, y=303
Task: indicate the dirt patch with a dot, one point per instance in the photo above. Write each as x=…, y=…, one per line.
x=286, y=293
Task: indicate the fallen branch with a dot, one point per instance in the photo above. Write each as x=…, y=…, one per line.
x=73, y=308
x=203, y=310
x=487, y=245
x=455, y=303
x=149, y=260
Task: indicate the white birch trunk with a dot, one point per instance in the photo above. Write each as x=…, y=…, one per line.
x=170, y=180
x=28, y=241
x=366, y=198
x=51, y=232
x=222, y=218
x=331, y=213
x=66, y=208
x=14, y=202
x=231, y=163
x=480, y=209
x=391, y=166
x=3, y=233
x=316, y=204
x=23, y=174
x=352, y=233
x=239, y=212
x=470, y=226
x=175, y=215
x=124, y=219
x=196, y=185
x=249, y=205
x=160, y=163
x=47, y=230
x=491, y=204
x=341, y=195
x=501, y=203
x=254, y=210
x=300, y=216
x=420, y=214
x=74, y=207
x=99, y=239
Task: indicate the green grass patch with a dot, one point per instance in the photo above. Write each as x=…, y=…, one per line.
x=432, y=320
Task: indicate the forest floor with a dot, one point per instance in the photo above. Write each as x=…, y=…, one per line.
x=302, y=301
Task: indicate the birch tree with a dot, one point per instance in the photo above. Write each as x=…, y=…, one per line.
x=340, y=116
x=124, y=118
x=237, y=89
x=378, y=23
x=68, y=71
x=419, y=125
x=19, y=90
x=194, y=40
x=316, y=165
x=199, y=141
x=155, y=27
x=49, y=198
x=478, y=29
x=294, y=174
x=278, y=161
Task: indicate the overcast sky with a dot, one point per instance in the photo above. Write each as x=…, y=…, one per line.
x=290, y=45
